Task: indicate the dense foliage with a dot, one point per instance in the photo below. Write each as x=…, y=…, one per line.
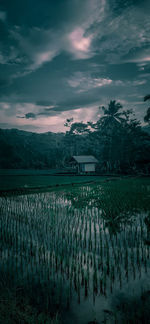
x=117, y=140
x=121, y=144
x=20, y=149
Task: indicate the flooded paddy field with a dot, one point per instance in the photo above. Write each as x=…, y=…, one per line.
x=81, y=253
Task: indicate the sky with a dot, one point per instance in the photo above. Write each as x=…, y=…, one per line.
x=66, y=58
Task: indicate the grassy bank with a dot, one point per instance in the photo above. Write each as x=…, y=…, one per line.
x=38, y=179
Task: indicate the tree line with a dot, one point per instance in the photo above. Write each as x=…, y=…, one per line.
x=117, y=139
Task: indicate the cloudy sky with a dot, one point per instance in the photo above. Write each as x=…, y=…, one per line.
x=65, y=58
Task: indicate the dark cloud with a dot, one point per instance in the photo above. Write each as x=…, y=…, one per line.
x=44, y=103
x=60, y=56
x=35, y=13
x=4, y=83
x=28, y=116
x=120, y=6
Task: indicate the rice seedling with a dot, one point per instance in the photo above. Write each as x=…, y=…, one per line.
x=76, y=243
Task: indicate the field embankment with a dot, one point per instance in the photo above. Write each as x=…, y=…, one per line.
x=30, y=180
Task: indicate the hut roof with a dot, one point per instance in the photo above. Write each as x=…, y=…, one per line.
x=85, y=159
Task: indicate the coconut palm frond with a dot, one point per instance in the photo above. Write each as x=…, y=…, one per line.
x=147, y=116
x=105, y=110
x=147, y=97
x=114, y=107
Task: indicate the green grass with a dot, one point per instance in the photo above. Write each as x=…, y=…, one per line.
x=24, y=179
x=19, y=182
x=27, y=172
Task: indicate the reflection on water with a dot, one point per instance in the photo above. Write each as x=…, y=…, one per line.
x=86, y=249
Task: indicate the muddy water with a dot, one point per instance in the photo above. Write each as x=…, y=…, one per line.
x=122, y=305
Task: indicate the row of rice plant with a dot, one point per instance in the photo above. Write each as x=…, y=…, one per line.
x=82, y=242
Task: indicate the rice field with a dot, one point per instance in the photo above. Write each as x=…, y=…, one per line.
x=81, y=251
x=27, y=181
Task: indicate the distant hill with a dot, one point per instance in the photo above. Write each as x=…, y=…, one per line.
x=27, y=150
x=21, y=149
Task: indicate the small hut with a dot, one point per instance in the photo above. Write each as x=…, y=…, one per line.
x=83, y=163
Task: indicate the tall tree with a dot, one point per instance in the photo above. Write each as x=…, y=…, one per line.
x=76, y=138
x=147, y=116
x=110, y=125
x=112, y=114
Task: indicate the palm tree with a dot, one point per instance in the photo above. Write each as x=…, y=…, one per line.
x=112, y=114
x=147, y=116
x=110, y=123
